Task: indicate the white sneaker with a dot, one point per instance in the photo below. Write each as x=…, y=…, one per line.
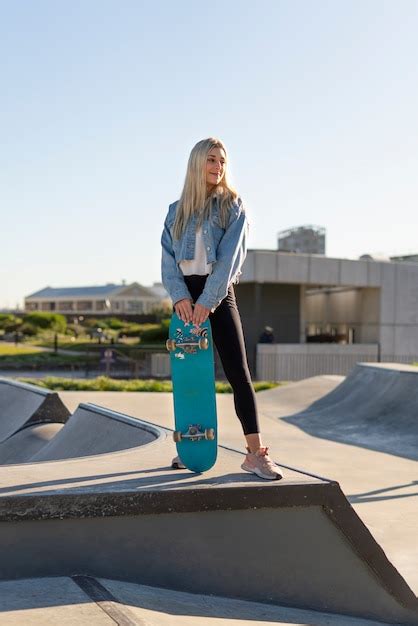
x=261, y=464
x=177, y=463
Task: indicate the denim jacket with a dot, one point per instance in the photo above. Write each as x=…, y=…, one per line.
x=225, y=248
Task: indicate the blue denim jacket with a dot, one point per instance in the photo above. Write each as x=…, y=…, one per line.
x=225, y=248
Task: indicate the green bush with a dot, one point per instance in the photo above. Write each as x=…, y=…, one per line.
x=47, y=321
x=28, y=329
x=155, y=333
x=6, y=319
x=113, y=323
x=9, y=323
x=92, y=322
x=131, y=330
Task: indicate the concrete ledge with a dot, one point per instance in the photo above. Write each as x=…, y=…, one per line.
x=306, y=545
x=173, y=501
x=300, y=556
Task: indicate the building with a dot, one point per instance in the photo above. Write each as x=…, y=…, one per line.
x=326, y=313
x=306, y=239
x=110, y=299
x=410, y=258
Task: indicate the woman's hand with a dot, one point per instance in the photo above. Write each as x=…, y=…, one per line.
x=184, y=310
x=200, y=314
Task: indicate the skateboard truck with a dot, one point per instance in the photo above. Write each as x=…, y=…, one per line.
x=194, y=433
x=172, y=344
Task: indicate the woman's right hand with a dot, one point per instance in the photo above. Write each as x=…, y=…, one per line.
x=184, y=310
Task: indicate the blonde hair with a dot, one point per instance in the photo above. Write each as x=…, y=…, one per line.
x=193, y=198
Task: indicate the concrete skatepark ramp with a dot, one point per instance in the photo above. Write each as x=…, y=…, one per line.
x=27, y=442
x=29, y=416
x=93, y=430
x=126, y=515
x=22, y=405
x=376, y=406
x=41, y=437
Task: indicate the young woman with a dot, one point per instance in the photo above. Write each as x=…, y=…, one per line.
x=204, y=244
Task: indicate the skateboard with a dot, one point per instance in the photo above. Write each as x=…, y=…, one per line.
x=193, y=376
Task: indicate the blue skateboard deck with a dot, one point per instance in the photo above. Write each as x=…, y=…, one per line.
x=193, y=376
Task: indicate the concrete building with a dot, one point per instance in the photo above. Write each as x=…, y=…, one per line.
x=99, y=300
x=326, y=313
x=410, y=258
x=306, y=239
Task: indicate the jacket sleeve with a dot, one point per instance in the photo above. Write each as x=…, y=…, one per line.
x=230, y=256
x=171, y=274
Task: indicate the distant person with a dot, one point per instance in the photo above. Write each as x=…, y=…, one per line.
x=204, y=244
x=267, y=335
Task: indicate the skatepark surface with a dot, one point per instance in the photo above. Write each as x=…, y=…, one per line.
x=318, y=425
x=63, y=601
x=382, y=488
x=375, y=407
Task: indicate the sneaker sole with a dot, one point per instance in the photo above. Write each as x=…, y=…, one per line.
x=260, y=473
x=177, y=466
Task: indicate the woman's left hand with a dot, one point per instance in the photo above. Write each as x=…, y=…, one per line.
x=200, y=314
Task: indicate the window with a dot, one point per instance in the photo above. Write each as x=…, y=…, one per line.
x=84, y=305
x=135, y=306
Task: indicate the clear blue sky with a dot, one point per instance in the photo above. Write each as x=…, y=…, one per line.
x=101, y=103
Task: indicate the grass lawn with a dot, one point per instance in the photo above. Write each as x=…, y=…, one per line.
x=31, y=356
x=103, y=383
x=9, y=349
x=128, y=348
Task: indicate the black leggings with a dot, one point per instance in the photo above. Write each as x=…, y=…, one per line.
x=228, y=338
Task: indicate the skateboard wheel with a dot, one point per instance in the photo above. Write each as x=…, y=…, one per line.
x=170, y=344
x=210, y=434
x=203, y=343
x=177, y=436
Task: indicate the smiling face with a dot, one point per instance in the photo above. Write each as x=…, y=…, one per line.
x=215, y=167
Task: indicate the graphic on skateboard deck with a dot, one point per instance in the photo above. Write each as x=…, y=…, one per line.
x=193, y=376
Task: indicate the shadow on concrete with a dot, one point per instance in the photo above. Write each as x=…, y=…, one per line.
x=122, y=601
x=374, y=496
x=178, y=604
x=129, y=481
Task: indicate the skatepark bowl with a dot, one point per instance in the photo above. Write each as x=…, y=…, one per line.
x=91, y=496
x=375, y=407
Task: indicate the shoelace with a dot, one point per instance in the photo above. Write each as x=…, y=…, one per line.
x=263, y=451
x=266, y=460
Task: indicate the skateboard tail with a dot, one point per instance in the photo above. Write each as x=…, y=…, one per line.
x=202, y=463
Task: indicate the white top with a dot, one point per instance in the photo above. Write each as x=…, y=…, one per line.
x=197, y=265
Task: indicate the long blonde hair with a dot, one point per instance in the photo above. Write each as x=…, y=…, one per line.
x=193, y=198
